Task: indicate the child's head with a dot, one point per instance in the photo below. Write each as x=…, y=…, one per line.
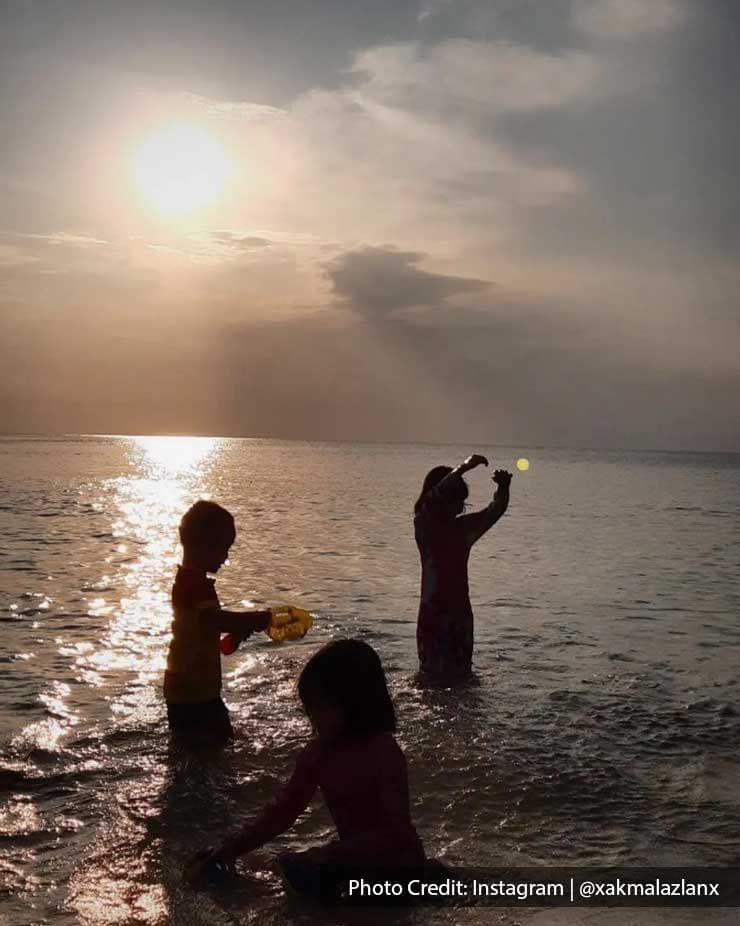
x=344, y=691
x=456, y=502
x=206, y=533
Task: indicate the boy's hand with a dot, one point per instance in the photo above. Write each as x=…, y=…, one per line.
x=239, y=623
x=502, y=478
x=259, y=620
x=264, y=619
x=474, y=460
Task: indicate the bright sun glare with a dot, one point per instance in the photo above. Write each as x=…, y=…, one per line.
x=176, y=455
x=180, y=168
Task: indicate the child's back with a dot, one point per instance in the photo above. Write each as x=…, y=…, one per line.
x=375, y=768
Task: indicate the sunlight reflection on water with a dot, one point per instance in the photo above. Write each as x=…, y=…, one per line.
x=175, y=455
x=151, y=503
x=166, y=475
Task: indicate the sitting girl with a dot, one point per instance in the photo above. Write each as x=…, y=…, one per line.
x=354, y=760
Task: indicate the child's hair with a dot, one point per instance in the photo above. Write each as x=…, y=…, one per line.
x=348, y=673
x=435, y=475
x=205, y=521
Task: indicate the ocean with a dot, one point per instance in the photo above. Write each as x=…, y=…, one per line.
x=602, y=725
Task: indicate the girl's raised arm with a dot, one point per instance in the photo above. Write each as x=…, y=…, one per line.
x=448, y=486
x=476, y=524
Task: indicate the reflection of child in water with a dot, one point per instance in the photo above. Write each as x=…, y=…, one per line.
x=445, y=537
x=192, y=681
x=355, y=761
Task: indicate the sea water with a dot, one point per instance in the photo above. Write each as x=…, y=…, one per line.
x=602, y=726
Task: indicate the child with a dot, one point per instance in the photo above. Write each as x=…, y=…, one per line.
x=192, y=681
x=356, y=762
x=445, y=536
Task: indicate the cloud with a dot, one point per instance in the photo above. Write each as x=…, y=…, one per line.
x=528, y=23
x=238, y=241
x=376, y=282
x=243, y=111
x=264, y=54
x=431, y=8
x=627, y=18
x=495, y=75
x=59, y=239
x=658, y=162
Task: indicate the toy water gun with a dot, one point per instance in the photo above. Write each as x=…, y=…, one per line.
x=286, y=623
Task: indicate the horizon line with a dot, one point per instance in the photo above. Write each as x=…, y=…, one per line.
x=308, y=440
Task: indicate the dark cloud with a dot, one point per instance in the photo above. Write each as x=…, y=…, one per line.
x=376, y=282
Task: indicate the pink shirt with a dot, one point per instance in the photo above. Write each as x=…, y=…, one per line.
x=365, y=786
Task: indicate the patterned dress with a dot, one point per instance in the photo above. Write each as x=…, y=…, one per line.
x=444, y=633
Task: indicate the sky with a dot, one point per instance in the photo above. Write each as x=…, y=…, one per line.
x=471, y=221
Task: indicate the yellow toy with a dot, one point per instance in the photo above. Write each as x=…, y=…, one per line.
x=286, y=623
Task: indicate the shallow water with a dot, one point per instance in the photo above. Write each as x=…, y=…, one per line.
x=602, y=727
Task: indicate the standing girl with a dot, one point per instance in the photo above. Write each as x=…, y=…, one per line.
x=445, y=537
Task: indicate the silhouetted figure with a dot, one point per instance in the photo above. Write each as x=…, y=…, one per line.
x=444, y=536
x=356, y=763
x=192, y=681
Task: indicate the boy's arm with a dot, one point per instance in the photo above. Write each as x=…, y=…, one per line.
x=242, y=623
x=476, y=524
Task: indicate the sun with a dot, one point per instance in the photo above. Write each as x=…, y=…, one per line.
x=180, y=168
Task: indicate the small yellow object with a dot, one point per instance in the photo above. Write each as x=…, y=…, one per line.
x=288, y=623
x=522, y=464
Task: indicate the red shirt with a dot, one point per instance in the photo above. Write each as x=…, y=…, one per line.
x=365, y=786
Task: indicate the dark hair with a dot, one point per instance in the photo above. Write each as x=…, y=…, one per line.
x=205, y=521
x=349, y=674
x=434, y=476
